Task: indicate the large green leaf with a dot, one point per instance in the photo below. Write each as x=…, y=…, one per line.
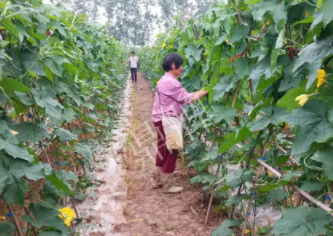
x=46, y=217
x=233, y=138
x=236, y=177
x=302, y=221
x=55, y=64
x=12, y=187
x=277, y=194
x=85, y=150
x=269, y=115
x=10, y=146
x=30, y=63
x=225, y=85
x=313, y=125
x=327, y=11
x=220, y=112
x=193, y=53
x=65, y=135
x=11, y=85
x=7, y=229
x=312, y=55
x=224, y=229
x=276, y=8
x=324, y=156
x=58, y=183
x=238, y=33
x=312, y=185
x=31, y=132
x=52, y=107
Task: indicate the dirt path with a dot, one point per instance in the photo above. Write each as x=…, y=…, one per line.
x=148, y=212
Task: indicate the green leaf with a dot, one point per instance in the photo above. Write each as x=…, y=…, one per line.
x=312, y=55
x=52, y=107
x=288, y=100
x=224, y=229
x=221, y=40
x=231, y=139
x=193, y=53
x=203, y=179
x=235, y=200
x=276, y=8
x=59, y=184
x=324, y=155
x=46, y=217
x=85, y=150
x=301, y=221
x=55, y=64
x=242, y=67
x=225, y=85
x=7, y=229
x=235, y=178
x=269, y=115
x=211, y=156
x=7, y=23
x=312, y=185
x=11, y=85
x=24, y=98
x=31, y=132
x=278, y=194
x=238, y=33
x=289, y=175
x=327, y=11
x=65, y=135
x=12, y=187
x=314, y=127
x=10, y=146
x=220, y=112
x=30, y=63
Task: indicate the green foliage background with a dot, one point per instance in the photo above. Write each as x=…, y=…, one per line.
x=60, y=83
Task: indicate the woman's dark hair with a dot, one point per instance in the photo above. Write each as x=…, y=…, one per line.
x=172, y=58
x=133, y=52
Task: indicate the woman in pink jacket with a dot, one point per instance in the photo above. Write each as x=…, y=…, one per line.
x=173, y=97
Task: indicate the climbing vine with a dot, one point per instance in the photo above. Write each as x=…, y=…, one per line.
x=267, y=65
x=60, y=83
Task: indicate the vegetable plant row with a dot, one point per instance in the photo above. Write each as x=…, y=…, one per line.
x=267, y=65
x=60, y=83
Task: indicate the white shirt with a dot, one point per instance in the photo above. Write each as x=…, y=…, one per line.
x=134, y=61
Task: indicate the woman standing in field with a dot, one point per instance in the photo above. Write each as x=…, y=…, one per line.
x=171, y=97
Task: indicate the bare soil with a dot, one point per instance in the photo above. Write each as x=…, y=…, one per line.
x=148, y=212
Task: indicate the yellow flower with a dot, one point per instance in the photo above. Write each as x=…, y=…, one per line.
x=286, y=125
x=163, y=45
x=67, y=214
x=156, y=67
x=227, y=41
x=3, y=217
x=321, y=77
x=171, y=46
x=270, y=174
x=13, y=132
x=250, y=112
x=247, y=231
x=302, y=99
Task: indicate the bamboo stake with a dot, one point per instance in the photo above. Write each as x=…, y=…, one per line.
x=32, y=227
x=212, y=195
x=305, y=194
x=15, y=221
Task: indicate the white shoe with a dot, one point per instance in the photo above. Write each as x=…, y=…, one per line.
x=167, y=184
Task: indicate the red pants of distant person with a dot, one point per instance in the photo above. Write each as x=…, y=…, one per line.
x=164, y=157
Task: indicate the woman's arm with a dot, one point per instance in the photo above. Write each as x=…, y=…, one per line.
x=198, y=94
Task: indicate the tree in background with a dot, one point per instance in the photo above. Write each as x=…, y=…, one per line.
x=135, y=22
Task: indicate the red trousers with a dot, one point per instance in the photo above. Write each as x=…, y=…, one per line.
x=164, y=157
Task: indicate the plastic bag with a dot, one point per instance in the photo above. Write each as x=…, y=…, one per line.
x=173, y=129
